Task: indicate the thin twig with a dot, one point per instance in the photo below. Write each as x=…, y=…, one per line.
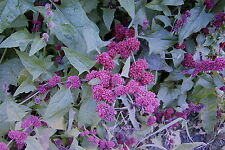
x=29, y=98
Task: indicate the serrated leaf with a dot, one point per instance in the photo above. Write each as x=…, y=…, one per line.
x=108, y=16
x=26, y=86
x=173, y=2
x=164, y=19
x=11, y=9
x=34, y=65
x=126, y=68
x=32, y=143
x=186, y=85
x=18, y=39
x=87, y=115
x=129, y=6
x=59, y=105
x=209, y=112
x=38, y=44
x=80, y=62
x=188, y=146
x=198, y=20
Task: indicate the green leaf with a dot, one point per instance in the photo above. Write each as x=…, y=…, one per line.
x=80, y=62
x=159, y=41
x=178, y=56
x=32, y=143
x=9, y=73
x=14, y=111
x=164, y=19
x=108, y=15
x=20, y=21
x=168, y=95
x=173, y=2
x=11, y=9
x=4, y=125
x=187, y=84
x=209, y=112
x=87, y=115
x=94, y=81
x=88, y=6
x=59, y=105
x=44, y=135
x=38, y=44
x=27, y=86
x=188, y=146
x=198, y=20
x=157, y=5
x=70, y=13
x=34, y=65
x=17, y=39
x=126, y=68
x=128, y=5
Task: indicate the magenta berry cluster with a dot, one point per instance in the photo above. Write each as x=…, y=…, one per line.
x=181, y=21
x=205, y=65
x=102, y=143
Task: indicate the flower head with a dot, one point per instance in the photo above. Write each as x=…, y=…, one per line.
x=74, y=82
x=106, y=112
x=151, y=120
x=45, y=36
x=18, y=136
x=3, y=146
x=54, y=81
x=31, y=121
x=51, y=24
x=106, y=61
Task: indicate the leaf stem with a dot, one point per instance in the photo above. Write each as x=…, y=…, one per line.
x=29, y=98
x=3, y=55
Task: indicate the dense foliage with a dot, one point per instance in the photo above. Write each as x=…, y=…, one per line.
x=112, y=74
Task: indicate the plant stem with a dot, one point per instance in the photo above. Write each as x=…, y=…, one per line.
x=3, y=55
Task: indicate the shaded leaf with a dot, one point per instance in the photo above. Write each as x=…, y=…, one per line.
x=108, y=16
x=178, y=56
x=157, y=5
x=164, y=19
x=128, y=5
x=157, y=63
x=80, y=62
x=9, y=73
